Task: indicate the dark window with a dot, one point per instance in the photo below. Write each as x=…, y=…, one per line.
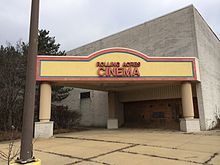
x=84, y=95
x=158, y=115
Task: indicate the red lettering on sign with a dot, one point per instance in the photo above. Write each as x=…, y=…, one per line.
x=127, y=72
x=101, y=72
x=113, y=69
x=136, y=72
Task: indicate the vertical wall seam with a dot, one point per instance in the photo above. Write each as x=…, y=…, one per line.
x=196, y=50
x=195, y=38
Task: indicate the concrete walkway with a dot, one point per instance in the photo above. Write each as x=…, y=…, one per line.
x=128, y=146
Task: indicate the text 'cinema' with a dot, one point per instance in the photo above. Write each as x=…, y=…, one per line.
x=117, y=69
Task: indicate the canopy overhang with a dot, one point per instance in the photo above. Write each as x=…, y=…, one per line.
x=116, y=64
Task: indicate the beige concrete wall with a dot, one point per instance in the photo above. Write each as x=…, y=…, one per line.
x=169, y=35
x=209, y=56
x=94, y=111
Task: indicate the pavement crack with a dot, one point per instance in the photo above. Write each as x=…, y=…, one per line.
x=93, y=157
x=211, y=157
x=117, y=150
x=158, y=146
x=163, y=157
x=58, y=154
x=96, y=140
x=120, y=142
x=111, y=141
x=133, y=145
x=80, y=161
x=90, y=161
x=70, y=156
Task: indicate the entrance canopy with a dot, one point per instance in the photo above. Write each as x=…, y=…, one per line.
x=115, y=67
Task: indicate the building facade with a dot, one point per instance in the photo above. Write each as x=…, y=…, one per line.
x=185, y=104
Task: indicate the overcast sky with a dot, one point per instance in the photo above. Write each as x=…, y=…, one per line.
x=77, y=22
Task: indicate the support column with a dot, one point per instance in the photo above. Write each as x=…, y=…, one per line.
x=187, y=100
x=112, y=107
x=45, y=102
x=44, y=128
x=188, y=123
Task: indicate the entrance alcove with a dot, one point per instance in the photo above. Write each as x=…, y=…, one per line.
x=162, y=88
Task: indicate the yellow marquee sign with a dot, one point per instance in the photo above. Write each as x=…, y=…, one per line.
x=115, y=64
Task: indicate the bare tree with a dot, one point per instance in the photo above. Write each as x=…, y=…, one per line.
x=12, y=151
x=12, y=69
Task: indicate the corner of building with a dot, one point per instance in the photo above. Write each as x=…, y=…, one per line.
x=208, y=90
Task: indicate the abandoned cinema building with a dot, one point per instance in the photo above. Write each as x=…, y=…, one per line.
x=161, y=74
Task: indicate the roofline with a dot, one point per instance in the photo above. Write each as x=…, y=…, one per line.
x=151, y=20
x=207, y=24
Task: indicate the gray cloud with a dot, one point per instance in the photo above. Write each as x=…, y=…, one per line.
x=77, y=22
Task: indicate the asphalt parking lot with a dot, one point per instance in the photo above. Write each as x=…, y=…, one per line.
x=127, y=146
